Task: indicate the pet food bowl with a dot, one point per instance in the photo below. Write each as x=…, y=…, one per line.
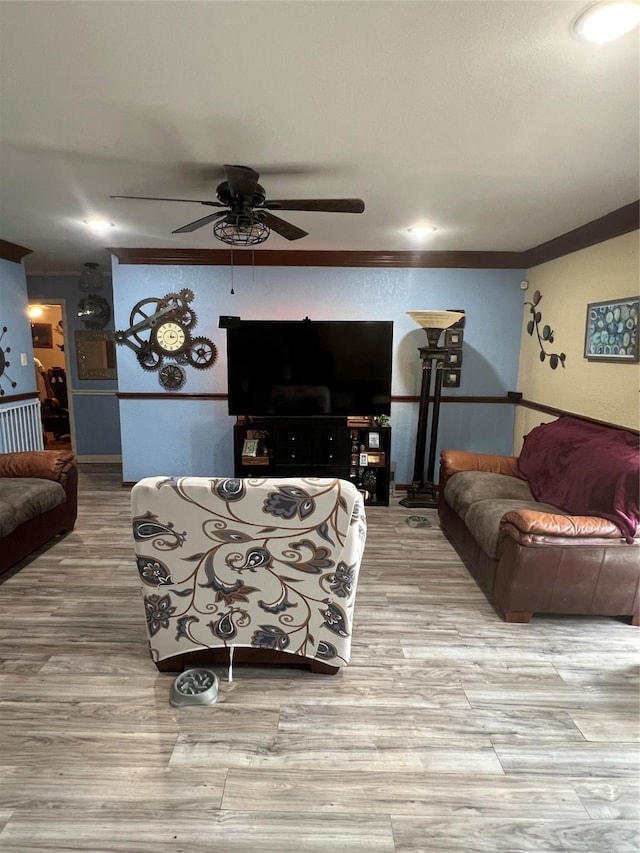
x=194, y=687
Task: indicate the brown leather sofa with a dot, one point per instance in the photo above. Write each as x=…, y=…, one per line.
x=38, y=500
x=529, y=556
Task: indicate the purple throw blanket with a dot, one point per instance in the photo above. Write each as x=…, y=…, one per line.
x=585, y=469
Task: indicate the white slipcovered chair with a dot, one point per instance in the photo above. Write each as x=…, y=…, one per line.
x=261, y=569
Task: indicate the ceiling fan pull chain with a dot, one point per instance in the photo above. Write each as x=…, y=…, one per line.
x=232, y=290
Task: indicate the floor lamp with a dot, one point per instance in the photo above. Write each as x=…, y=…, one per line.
x=423, y=492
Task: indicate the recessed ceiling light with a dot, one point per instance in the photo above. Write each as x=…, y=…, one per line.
x=421, y=230
x=97, y=223
x=607, y=21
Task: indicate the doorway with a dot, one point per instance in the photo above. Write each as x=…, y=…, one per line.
x=53, y=377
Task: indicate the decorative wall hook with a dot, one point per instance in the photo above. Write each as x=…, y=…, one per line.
x=544, y=336
x=4, y=363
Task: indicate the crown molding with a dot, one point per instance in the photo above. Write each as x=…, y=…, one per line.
x=613, y=224
x=301, y=258
x=13, y=252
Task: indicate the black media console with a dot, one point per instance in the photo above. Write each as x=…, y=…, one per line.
x=352, y=449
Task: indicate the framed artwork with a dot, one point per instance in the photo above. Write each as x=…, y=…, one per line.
x=453, y=358
x=374, y=440
x=612, y=330
x=250, y=447
x=95, y=354
x=376, y=460
x=453, y=337
x=451, y=377
x=42, y=335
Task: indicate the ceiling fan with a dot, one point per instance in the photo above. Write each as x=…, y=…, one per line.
x=248, y=219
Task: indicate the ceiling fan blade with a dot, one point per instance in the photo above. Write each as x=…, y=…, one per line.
x=285, y=229
x=242, y=181
x=327, y=205
x=199, y=223
x=154, y=198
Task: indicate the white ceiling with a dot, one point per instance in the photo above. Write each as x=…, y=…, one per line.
x=487, y=119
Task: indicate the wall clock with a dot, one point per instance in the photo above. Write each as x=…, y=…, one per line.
x=4, y=363
x=161, y=329
x=170, y=337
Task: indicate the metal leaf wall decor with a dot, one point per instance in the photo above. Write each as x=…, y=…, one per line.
x=545, y=335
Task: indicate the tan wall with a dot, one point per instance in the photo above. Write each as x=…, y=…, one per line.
x=605, y=391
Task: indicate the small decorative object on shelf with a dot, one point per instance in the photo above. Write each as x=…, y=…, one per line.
x=376, y=460
x=370, y=480
x=545, y=335
x=381, y=420
x=255, y=447
x=353, y=421
x=250, y=447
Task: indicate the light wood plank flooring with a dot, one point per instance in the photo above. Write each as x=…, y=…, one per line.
x=450, y=731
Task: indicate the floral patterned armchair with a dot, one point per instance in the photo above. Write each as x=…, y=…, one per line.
x=258, y=570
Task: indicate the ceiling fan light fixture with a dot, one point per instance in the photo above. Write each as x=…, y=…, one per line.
x=607, y=21
x=90, y=278
x=241, y=230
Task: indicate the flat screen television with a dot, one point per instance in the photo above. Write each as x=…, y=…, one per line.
x=296, y=368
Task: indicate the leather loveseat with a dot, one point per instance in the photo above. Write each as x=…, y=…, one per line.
x=554, y=530
x=38, y=500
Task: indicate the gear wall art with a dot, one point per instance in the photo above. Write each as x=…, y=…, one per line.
x=160, y=330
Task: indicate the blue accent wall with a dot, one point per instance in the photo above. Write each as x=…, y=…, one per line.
x=13, y=315
x=95, y=405
x=195, y=436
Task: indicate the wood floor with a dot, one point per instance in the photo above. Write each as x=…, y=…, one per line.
x=450, y=731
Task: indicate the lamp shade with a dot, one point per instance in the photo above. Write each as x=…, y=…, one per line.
x=436, y=319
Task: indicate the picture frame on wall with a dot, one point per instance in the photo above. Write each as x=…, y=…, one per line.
x=42, y=335
x=250, y=447
x=453, y=337
x=453, y=358
x=612, y=330
x=451, y=377
x=376, y=460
